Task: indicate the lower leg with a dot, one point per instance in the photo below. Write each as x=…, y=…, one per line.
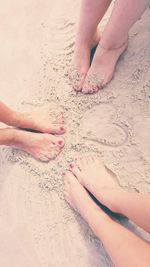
x=90, y=15
x=7, y=137
x=135, y=206
x=124, y=15
x=124, y=248
x=87, y=37
x=102, y=183
x=7, y=115
x=113, y=43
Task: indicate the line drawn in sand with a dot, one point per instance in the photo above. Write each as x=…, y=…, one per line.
x=141, y=128
x=98, y=125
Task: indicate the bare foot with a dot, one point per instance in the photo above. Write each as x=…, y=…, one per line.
x=81, y=60
x=102, y=68
x=49, y=119
x=78, y=198
x=43, y=147
x=97, y=178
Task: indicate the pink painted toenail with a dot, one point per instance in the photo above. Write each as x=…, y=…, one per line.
x=71, y=165
x=60, y=143
x=62, y=128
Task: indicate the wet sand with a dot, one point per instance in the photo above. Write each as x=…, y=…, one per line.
x=36, y=49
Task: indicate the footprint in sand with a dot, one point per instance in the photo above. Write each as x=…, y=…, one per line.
x=141, y=129
x=97, y=126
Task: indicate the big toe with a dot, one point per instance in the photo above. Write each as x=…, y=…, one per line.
x=77, y=78
x=56, y=129
x=56, y=140
x=76, y=171
x=93, y=83
x=61, y=142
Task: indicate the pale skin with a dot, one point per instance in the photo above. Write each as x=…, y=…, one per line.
x=46, y=121
x=123, y=246
x=113, y=42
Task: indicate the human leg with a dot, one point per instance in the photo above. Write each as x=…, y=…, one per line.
x=48, y=119
x=41, y=146
x=102, y=183
x=113, y=43
x=86, y=38
x=124, y=248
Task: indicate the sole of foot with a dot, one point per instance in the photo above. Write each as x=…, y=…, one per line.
x=43, y=147
x=81, y=60
x=97, y=179
x=48, y=119
x=102, y=68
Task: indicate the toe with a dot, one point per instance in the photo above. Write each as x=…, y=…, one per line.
x=61, y=129
x=51, y=153
x=86, y=89
x=75, y=170
x=77, y=86
x=43, y=158
x=61, y=143
x=53, y=150
x=70, y=178
x=90, y=88
x=57, y=129
x=93, y=83
x=57, y=141
x=77, y=78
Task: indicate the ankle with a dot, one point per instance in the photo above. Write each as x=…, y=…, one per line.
x=82, y=44
x=15, y=119
x=21, y=120
x=89, y=41
x=7, y=136
x=115, y=44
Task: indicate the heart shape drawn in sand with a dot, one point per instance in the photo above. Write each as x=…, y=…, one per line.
x=97, y=125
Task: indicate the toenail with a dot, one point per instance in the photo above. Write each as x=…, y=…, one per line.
x=63, y=173
x=62, y=128
x=60, y=142
x=71, y=165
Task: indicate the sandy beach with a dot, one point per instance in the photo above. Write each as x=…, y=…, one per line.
x=37, y=42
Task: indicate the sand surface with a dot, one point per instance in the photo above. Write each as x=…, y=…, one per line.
x=36, y=224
